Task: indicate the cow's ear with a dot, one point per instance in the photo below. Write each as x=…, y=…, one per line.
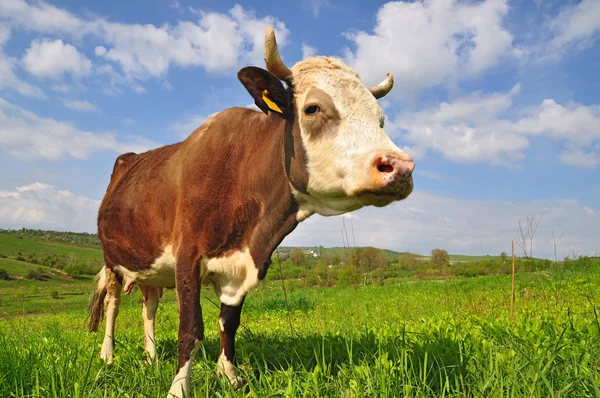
x=268, y=92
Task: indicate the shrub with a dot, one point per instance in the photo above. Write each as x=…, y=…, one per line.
x=54, y=294
x=76, y=269
x=4, y=275
x=35, y=275
x=347, y=276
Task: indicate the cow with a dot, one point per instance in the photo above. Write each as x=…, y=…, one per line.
x=214, y=207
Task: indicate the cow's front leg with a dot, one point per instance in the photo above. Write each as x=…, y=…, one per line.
x=229, y=321
x=191, y=328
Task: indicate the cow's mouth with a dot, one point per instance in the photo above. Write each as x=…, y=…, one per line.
x=399, y=190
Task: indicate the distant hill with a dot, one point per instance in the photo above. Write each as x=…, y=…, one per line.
x=70, y=238
x=50, y=252
x=24, y=249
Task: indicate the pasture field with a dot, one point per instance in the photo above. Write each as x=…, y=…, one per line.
x=450, y=338
x=11, y=245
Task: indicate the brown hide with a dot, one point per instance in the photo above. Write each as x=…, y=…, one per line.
x=223, y=189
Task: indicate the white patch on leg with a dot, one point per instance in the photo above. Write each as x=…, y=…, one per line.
x=106, y=352
x=108, y=345
x=221, y=324
x=148, y=314
x=224, y=367
x=233, y=276
x=181, y=382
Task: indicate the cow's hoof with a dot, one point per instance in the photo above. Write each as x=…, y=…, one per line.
x=232, y=375
x=237, y=382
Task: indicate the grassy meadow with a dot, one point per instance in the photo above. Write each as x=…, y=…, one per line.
x=442, y=337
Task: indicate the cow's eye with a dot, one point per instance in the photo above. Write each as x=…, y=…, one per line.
x=312, y=109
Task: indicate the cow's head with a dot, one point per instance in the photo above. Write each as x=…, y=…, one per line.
x=349, y=161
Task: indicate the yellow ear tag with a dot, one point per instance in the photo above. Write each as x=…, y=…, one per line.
x=273, y=106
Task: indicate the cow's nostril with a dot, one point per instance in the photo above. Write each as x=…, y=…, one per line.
x=385, y=168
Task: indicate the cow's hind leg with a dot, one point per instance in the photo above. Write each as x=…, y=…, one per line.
x=148, y=314
x=229, y=321
x=111, y=308
x=191, y=328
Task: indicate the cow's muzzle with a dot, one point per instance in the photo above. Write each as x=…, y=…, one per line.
x=392, y=175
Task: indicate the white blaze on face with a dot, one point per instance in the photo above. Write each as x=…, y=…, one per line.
x=343, y=141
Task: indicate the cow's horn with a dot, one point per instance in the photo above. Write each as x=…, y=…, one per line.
x=383, y=88
x=274, y=63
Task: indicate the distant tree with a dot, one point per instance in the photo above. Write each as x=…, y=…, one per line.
x=297, y=256
x=408, y=261
x=373, y=258
x=503, y=257
x=356, y=256
x=440, y=259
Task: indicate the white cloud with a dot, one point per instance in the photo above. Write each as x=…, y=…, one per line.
x=8, y=77
x=53, y=59
x=41, y=17
x=166, y=85
x=315, y=6
x=577, y=123
x=576, y=24
x=431, y=43
x=425, y=221
x=474, y=129
x=100, y=51
x=80, y=105
x=252, y=29
x=28, y=136
x=61, y=87
x=465, y=130
x=217, y=42
x=578, y=157
x=308, y=51
x=42, y=206
x=116, y=82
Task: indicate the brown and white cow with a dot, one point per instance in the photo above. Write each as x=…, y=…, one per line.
x=214, y=207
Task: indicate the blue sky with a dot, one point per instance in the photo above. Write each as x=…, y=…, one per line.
x=498, y=101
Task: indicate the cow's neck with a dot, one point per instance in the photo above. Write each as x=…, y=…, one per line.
x=287, y=167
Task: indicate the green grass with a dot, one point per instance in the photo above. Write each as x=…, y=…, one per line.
x=20, y=268
x=424, y=339
x=11, y=245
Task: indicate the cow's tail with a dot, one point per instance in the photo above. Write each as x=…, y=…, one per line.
x=96, y=308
